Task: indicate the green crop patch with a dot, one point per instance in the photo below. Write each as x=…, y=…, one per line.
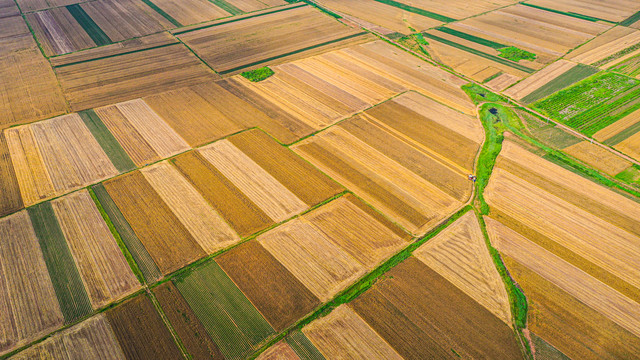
x=630, y=66
x=472, y=38
x=90, y=27
x=631, y=19
x=416, y=10
x=623, y=135
x=258, y=74
x=564, y=80
x=630, y=175
x=303, y=347
x=72, y=296
x=594, y=103
x=233, y=323
x=107, y=141
x=139, y=253
x=500, y=60
x=231, y=9
x=516, y=54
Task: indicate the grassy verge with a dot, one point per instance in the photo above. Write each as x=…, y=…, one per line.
x=258, y=74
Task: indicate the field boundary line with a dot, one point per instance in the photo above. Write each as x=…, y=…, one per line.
x=113, y=55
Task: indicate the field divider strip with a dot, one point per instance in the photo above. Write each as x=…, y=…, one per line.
x=571, y=14
x=416, y=10
x=114, y=55
x=292, y=53
x=92, y=29
x=631, y=19
x=164, y=14
x=228, y=7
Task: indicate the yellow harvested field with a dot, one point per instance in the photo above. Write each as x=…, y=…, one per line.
x=410, y=166
x=206, y=226
x=31, y=173
x=101, y=81
x=91, y=339
x=28, y=304
x=56, y=156
x=618, y=126
x=594, y=53
x=142, y=133
x=597, y=295
x=14, y=34
x=102, y=266
x=631, y=146
x=278, y=202
x=598, y=157
x=344, y=335
x=313, y=258
x=280, y=351
x=538, y=79
x=460, y=255
x=359, y=230
x=188, y=12
x=29, y=90
x=612, y=10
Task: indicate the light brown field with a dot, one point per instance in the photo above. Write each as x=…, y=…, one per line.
x=206, y=226
x=34, y=5
x=631, y=146
x=104, y=270
x=358, y=229
x=502, y=82
x=615, y=10
x=344, y=335
x=91, y=339
x=280, y=351
x=586, y=219
x=103, y=81
x=188, y=12
x=597, y=157
x=31, y=173
x=28, y=304
x=402, y=162
x=313, y=258
x=598, y=51
x=163, y=235
x=538, y=79
x=15, y=34
x=8, y=9
x=125, y=19
x=58, y=32
x=255, y=5
x=10, y=197
x=460, y=255
x=28, y=88
x=618, y=126
x=579, y=284
x=231, y=47
x=256, y=183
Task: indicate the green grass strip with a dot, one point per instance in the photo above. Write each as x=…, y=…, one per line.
x=230, y=318
x=481, y=54
x=127, y=255
x=155, y=7
x=472, y=38
x=572, y=14
x=623, y=135
x=139, y=253
x=67, y=283
x=257, y=75
x=90, y=27
x=492, y=77
x=240, y=19
x=114, y=55
x=564, y=80
x=107, y=141
x=291, y=53
x=416, y=10
x=231, y=9
x=631, y=19
x=303, y=347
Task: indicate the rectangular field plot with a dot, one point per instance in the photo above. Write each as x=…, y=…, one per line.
x=254, y=182
x=231, y=47
x=590, y=229
x=10, y=197
x=187, y=12
x=561, y=295
x=594, y=103
x=408, y=157
x=613, y=11
x=141, y=332
x=435, y=321
x=103, y=80
x=35, y=5
x=28, y=89
x=229, y=318
x=56, y=156
x=279, y=351
x=29, y=307
x=331, y=247
x=15, y=34
x=92, y=338
x=608, y=49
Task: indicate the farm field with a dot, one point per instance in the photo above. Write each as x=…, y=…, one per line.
x=611, y=11
x=219, y=45
x=365, y=150
x=608, y=49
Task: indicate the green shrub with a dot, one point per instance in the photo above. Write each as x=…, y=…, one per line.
x=515, y=54
x=258, y=74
